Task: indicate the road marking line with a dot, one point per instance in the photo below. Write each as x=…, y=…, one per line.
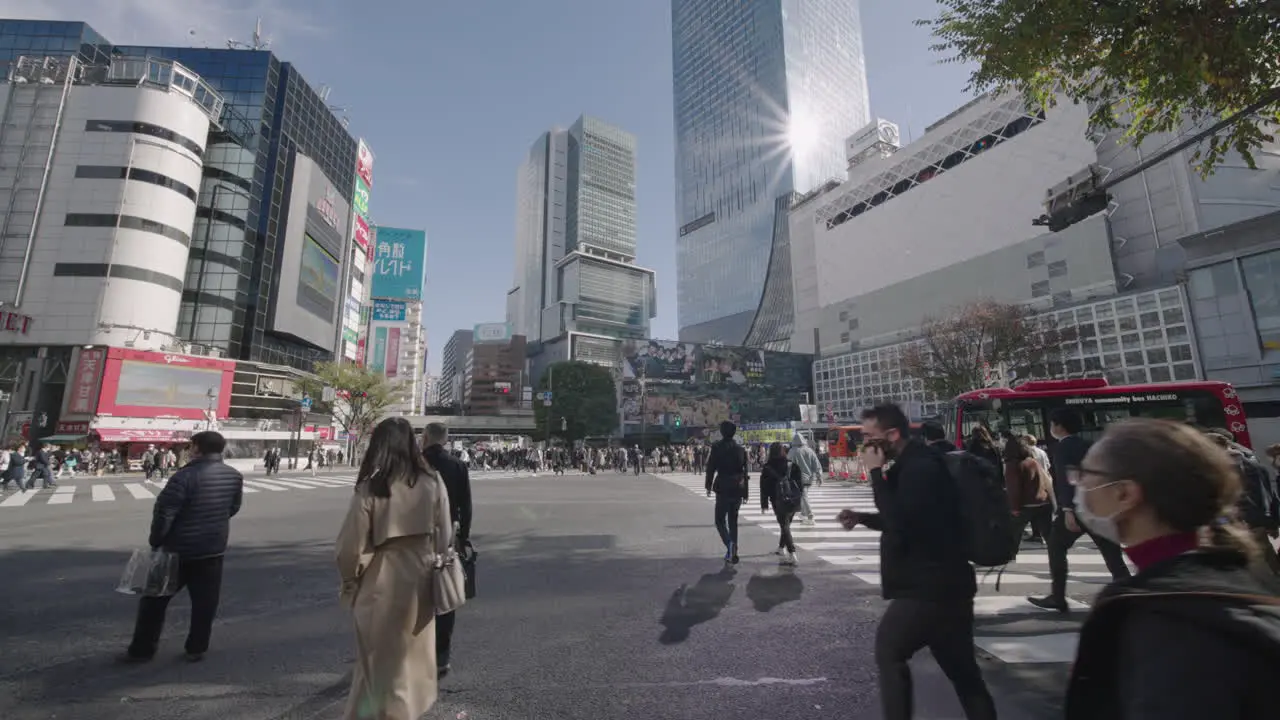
x=264, y=484
x=138, y=491
x=324, y=483
x=295, y=485
x=1001, y=605
x=871, y=578
x=62, y=495
x=18, y=499
x=1031, y=649
x=247, y=489
x=102, y=493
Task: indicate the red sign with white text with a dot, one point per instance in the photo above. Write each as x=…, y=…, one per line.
x=82, y=396
x=362, y=233
x=364, y=164
x=326, y=433
x=140, y=383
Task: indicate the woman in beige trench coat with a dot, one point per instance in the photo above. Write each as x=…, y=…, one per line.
x=398, y=517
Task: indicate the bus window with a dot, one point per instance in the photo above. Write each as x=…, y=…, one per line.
x=979, y=416
x=1025, y=417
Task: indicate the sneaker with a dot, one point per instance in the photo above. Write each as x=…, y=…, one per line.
x=782, y=552
x=733, y=553
x=443, y=670
x=789, y=559
x=728, y=554
x=1049, y=602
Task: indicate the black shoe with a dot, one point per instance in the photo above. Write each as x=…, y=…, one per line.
x=443, y=670
x=1049, y=602
x=128, y=658
x=193, y=657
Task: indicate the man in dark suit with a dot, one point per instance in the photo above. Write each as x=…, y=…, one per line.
x=458, y=483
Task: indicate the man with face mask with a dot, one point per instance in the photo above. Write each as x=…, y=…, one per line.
x=1065, y=425
x=924, y=572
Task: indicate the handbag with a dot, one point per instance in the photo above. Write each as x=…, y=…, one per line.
x=150, y=573
x=469, y=555
x=448, y=581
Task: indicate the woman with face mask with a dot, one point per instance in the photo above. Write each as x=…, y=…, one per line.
x=1196, y=633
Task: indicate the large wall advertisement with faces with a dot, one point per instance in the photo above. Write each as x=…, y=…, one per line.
x=140, y=383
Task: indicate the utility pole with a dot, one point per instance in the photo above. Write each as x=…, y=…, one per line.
x=644, y=415
x=550, y=398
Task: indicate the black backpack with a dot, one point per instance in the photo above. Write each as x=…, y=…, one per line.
x=990, y=529
x=789, y=489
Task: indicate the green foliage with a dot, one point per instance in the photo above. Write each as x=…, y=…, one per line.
x=1144, y=65
x=362, y=395
x=955, y=350
x=584, y=395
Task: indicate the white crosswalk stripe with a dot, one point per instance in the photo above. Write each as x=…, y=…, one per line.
x=1048, y=637
x=106, y=490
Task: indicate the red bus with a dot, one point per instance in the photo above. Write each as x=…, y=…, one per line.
x=1025, y=408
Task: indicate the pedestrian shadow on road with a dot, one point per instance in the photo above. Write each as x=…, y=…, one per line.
x=690, y=606
x=767, y=592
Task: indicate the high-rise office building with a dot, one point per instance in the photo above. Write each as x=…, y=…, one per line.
x=577, y=286
x=274, y=203
x=766, y=91
x=453, y=364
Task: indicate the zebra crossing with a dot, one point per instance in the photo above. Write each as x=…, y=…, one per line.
x=91, y=490
x=1007, y=627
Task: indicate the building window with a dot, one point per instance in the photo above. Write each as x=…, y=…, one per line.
x=1057, y=268
x=1040, y=288
x=125, y=272
x=141, y=128
x=1262, y=283
x=111, y=172
x=128, y=222
x=1035, y=259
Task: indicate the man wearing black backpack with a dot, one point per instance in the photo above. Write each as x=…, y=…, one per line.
x=727, y=478
x=924, y=571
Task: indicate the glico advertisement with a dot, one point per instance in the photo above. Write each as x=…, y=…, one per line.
x=707, y=384
x=138, y=383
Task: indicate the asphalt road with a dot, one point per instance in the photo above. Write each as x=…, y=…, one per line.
x=600, y=597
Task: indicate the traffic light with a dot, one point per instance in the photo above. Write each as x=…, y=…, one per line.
x=679, y=421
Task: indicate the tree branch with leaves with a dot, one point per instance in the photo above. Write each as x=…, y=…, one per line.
x=956, y=350
x=1146, y=66
x=584, y=401
x=362, y=395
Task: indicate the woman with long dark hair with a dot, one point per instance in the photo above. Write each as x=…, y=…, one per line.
x=1028, y=487
x=1196, y=633
x=397, y=523
x=775, y=478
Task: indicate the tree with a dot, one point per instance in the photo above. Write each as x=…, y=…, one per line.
x=955, y=351
x=362, y=396
x=584, y=401
x=1148, y=65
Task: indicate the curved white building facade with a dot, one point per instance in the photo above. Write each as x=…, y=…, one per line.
x=111, y=161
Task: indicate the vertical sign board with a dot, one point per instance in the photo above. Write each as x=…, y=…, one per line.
x=393, y=352
x=378, y=363
x=361, y=237
x=399, y=259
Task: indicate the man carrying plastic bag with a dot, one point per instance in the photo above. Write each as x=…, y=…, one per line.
x=191, y=520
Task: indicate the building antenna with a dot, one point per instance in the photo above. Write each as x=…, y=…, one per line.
x=257, y=41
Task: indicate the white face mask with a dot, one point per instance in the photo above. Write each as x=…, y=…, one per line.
x=1103, y=527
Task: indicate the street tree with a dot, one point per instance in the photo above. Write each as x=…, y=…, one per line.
x=362, y=396
x=957, y=350
x=1144, y=66
x=584, y=401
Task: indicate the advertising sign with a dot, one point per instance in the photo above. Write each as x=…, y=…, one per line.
x=378, y=362
x=360, y=201
x=364, y=163
x=351, y=318
x=83, y=393
x=660, y=361
x=362, y=234
x=736, y=365
x=393, y=352
x=390, y=311
x=491, y=333
x=398, y=263
x=138, y=383
x=360, y=351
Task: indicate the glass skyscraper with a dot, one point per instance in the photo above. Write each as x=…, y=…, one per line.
x=576, y=238
x=766, y=92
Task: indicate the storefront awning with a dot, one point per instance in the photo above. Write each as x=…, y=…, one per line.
x=64, y=438
x=111, y=435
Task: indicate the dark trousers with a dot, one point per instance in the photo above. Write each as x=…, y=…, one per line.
x=727, y=518
x=203, y=580
x=1039, y=517
x=1060, y=541
x=444, y=638
x=947, y=630
x=784, y=522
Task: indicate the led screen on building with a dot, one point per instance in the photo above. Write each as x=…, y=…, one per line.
x=317, y=280
x=139, y=383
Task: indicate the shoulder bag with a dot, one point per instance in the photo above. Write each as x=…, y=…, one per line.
x=448, y=581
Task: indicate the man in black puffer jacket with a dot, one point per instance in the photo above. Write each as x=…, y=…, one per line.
x=457, y=482
x=192, y=519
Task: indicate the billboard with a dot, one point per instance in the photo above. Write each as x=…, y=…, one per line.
x=392, y=363
x=393, y=311
x=364, y=163
x=399, y=259
x=82, y=390
x=707, y=384
x=491, y=333
x=361, y=250
x=139, y=383
x=317, y=279
x=378, y=362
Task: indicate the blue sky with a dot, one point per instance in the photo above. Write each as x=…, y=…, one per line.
x=451, y=94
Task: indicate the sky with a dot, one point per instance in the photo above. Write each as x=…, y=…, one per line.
x=450, y=96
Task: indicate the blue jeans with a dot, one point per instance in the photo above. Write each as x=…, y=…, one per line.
x=727, y=518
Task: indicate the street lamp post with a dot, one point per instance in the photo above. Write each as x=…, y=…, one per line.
x=549, y=399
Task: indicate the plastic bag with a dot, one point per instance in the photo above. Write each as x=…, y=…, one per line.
x=152, y=573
